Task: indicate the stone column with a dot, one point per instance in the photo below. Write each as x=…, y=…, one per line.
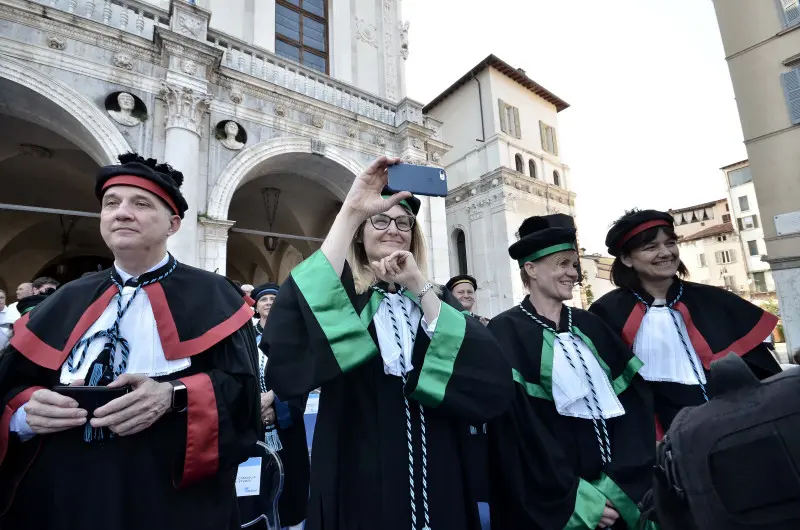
x=214, y=250
x=185, y=110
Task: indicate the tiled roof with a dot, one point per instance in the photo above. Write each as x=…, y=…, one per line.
x=516, y=74
x=711, y=231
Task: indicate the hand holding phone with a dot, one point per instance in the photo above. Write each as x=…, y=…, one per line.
x=90, y=398
x=419, y=180
x=48, y=412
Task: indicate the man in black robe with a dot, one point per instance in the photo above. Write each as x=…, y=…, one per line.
x=164, y=455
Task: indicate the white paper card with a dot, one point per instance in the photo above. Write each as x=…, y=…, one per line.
x=248, y=478
x=312, y=405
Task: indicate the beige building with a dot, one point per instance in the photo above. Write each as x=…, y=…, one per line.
x=762, y=47
x=710, y=247
x=504, y=166
x=746, y=218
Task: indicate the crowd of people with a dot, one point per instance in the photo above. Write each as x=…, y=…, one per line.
x=131, y=396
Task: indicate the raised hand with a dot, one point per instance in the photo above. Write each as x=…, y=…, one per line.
x=364, y=198
x=400, y=267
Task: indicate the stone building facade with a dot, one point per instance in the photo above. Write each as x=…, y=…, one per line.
x=268, y=145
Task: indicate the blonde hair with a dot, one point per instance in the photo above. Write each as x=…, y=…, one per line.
x=363, y=277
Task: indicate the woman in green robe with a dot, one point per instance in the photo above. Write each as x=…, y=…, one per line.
x=576, y=449
x=403, y=371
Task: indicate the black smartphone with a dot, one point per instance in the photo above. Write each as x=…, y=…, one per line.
x=419, y=180
x=90, y=398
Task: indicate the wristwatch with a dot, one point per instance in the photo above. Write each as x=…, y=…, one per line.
x=180, y=396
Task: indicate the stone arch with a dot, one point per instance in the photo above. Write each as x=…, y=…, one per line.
x=91, y=130
x=246, y=163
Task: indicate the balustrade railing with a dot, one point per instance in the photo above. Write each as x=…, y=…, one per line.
x=265, y=65
x=132, y=16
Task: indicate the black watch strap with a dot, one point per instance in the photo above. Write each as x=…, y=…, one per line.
x=180, y=396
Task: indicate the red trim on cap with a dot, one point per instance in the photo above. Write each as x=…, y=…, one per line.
x=631, y=327
x=171, y=343
x=143, y=183
x=11, y=407
x=201, y=459
x=641, y=228
x=38, y=351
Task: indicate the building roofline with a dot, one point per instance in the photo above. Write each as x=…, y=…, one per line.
x=745, y=161
x=711, y=231
x=696, y=206
x=503, y=67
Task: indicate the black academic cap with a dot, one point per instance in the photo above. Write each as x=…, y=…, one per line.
x=632, y=224
x=541, y=236
x=412, y=203
x=133, y=170
x=461, y=278
x=263, y=290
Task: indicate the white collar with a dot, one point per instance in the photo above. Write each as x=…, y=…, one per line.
x=124, y=276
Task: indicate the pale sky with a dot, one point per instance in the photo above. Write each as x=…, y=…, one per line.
x=652, y=115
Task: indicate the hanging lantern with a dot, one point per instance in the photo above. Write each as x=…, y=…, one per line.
x=271, y=243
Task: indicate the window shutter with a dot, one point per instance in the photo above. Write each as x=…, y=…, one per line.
x=732, y=254
x=755, y=221
x=791, y=11
x=503, y=121
x=517, y=124
x=543, y=134
x=741, y=224
x=791, y=86
x=718, y=257
x=554, y=140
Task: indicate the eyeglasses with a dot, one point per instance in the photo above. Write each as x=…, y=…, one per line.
x=404, y=223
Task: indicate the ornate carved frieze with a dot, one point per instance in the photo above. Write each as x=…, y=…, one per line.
x=57, y=43
x=404, y=40
x=366, y=32
x=185, y=107
x=317, y=146
x=389, y=57
x=123, y=60
x=62, y=24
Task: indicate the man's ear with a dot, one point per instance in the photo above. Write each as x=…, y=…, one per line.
x=174, y=224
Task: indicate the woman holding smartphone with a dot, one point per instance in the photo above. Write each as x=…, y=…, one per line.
x=403, y=371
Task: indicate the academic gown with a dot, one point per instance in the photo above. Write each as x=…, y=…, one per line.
x=294, y=455
x=179, y=472
x=717, y=322
x=545, y=469
x=321, y=334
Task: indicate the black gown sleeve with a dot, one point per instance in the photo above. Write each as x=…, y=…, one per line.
x=460, y=369
x=19, y=379
x=223, y=415
x=314, y=333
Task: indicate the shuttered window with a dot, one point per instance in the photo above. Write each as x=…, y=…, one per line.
x=548, y=136
x=791, y=12
x=509, y=119
x=791, y=86
x=724, y=257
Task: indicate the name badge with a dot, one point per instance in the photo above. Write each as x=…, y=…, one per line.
x=248, y=477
